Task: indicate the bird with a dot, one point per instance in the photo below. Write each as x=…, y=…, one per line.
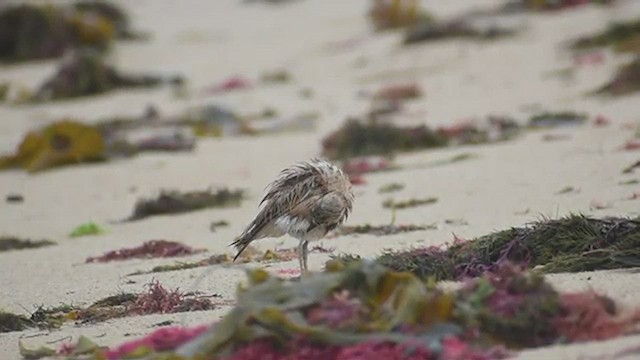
x=307, y=200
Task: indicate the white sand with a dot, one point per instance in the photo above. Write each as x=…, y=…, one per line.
x=207, y=41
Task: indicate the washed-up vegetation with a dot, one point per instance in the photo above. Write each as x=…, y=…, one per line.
x=571, y=244
x=371, y=137
x=557, y=119
x=176, y=202
x=549, y=5
x=622, y=36
x=87, y=229
x=356, y=138
x=249, y=255
x=155, y=300
x=8, y=243
x=12, y=322
x=148, y=250
x=453, y=29
x=391, y=187
x=409, y=203
x=379, y=230
x=625, y=81
x=61, y=143
x=364, y=310
x=86, y=73
x=396, y=14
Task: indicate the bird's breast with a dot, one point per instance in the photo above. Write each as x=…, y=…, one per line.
x=295, y=226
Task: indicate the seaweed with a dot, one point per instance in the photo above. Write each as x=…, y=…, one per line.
x=382, y=230
x=570, y=244
x=115, y=15
x=457, y=28
x=391, y=187
x=11, y=322
x=355, y=138
x=625, y=81
x=61, y=143
x=156, y=300
x=14, y=243
x=395, y=14
x=404, y=204
x=631, y=168
x=86, y=73
x=557, y=119
x=86, y=229
x=150, y=249
x=364, y=310
x=30, y=32
x=623, y=36
x=175, y=202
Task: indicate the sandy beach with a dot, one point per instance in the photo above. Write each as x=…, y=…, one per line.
x=327, y=46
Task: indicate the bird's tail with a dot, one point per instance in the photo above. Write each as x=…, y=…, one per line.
x=242, y=241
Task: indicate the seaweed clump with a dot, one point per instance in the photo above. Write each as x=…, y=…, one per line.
x=11, y=322
x=364, y=310
x=625, y=81
x=571, y=244
x=175, y=202
x=61, y=143
x=156, y=300
x=356, y=138
x=150, y=249
x=29, y=32
x=13, y=243
x=86, y=73
x=623, y=36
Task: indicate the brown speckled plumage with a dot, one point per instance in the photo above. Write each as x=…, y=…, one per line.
x=306, y=201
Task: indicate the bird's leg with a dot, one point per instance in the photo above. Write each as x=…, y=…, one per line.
x=302, y=255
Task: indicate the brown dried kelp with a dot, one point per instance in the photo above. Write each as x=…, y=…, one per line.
x=12, y=322
x=148, y=250
x=175, y=202
x=625, y=81
x=622, y=36
x=356, y=138
x=571, y=244
x=363, y=310
x=61, y=143
x=393, y=204
x=382, y=230
x=13, y=243
x=86, y=73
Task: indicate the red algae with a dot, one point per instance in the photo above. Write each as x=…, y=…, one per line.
x=150, y=249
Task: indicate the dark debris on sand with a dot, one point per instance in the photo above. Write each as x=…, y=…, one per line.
x=570, y=244
x=381, y=230
x=175, y=202
x=148, y=250
x=86, y=73
x=404, y=204
x=14, y=243
x=625, y=81
x=11, y=322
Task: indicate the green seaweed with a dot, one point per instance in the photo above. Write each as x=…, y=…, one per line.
x=570, y=244
x=623, y=36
